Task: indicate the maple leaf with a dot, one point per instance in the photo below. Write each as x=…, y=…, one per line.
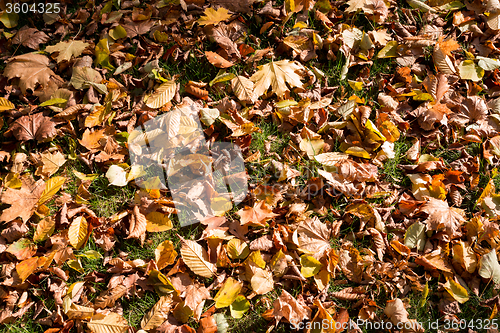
x=276, y=74
x=30, y=37
x=441, y=216
x=286, y=306
x=31, y=68
x=134, y=29
x=226, y=35
x=23, y=201
x=256, y=215
x=213, y=16
x=354, y=5
x=67, y=49
x=50, y=163
x=314, y=237
x=33, y=127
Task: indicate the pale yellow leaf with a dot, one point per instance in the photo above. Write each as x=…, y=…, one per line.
x=196, y=258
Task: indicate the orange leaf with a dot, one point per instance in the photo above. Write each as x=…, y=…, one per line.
x=217, y=60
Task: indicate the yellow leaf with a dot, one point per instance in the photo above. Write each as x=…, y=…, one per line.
x=52, y=186
x=158, y=222
x=102, y=54
x=162, y=95
x=77, y=232
x=228, y=293
x=9, y=20
x=389, y=51
x=213, y=16
x=119, y=32
x=12, y=180
x=165, y=254
x=239, y=307
x=309, y=265
x=256, y=258
x=458, y=292
x=276, y=75
x=468, y=70
x=356, y=85
x=357, y=151
x=5, y=104
x=76, y=265
x=44, y=229
x=237, y=249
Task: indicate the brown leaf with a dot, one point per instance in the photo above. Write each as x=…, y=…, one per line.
x=286, y=306
x=134, y=29
x=30, y=37
x=109, y=297
x=314, y=237
x=23, y=202
x=138, y=225
x=441, y=216
x=34, y=127
x=31, y=69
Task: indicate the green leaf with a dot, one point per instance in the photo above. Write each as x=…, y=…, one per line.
x=239, y=307
x=222, y=78
x=118, y=32
x=415, y=236
x=425, y=293
x=90, y=254
x=76, y=265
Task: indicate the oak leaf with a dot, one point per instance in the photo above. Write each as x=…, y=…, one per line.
x=31, y=68
x=276, y=74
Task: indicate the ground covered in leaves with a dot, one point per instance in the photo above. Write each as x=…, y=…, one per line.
x=370, y=135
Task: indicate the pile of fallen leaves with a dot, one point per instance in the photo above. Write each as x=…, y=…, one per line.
x=75, y=85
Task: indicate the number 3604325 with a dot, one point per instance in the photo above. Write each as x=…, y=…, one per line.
x=25, y=8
